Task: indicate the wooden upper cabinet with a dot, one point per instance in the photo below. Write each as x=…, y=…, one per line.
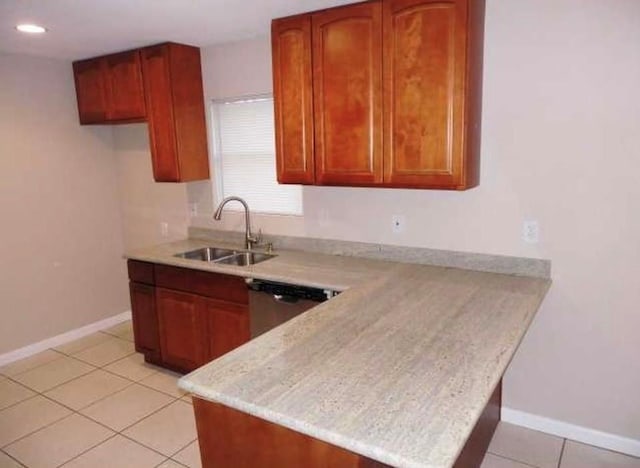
x=347, y=86
x=124, y=82
x=160, y=84
x=426, y=88
x=397, y=88
x=293, y=99
x=91, y=90
x=109, y=89
x=175, y=111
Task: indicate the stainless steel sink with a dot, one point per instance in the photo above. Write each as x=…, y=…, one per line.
x=206, y=254
x=245, y=258
x=226, y=256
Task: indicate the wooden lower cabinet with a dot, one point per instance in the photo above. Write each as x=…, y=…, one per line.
x=184, y=318
x=227, y=326
x=231, y=438
x=145, y=321
x=183, y=338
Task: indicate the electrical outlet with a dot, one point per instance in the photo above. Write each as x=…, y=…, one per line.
x=398, y=224
x=193, y=210
x=164, y=229
x=530, y=231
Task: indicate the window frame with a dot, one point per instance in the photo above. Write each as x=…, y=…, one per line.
x=215, y=160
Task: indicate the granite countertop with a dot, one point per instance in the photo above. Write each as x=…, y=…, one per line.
x=397, y=368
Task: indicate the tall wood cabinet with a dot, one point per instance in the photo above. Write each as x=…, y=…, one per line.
x=175, y=111
x=185, y=318
x=293, y=99
x=161, y=85
x=396, y=94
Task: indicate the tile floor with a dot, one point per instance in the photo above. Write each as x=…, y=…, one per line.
x=95, y=403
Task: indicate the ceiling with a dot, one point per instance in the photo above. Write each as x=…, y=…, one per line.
x=85, y=28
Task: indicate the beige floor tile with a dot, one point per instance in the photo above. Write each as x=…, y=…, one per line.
x=59, y=442
x=117, y=452
x=123, y=330
x=106, y=352
x=7, y=462
x=526, y=446
x=132, y=367
x=87, y=389
x=166, y=431
x=29, y=363
x=577, y=455
x=126, y=407
x=28, y=416
x=82, y=343
x=171, y=464
x=190, y=455
x=494, y=461
x=187, y=398
x=54, y=373
x=12, y=393
x=164, y=381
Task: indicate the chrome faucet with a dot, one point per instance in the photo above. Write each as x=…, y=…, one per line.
x=249, y=238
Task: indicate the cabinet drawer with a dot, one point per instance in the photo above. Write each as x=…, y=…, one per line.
x=140, y=272
x=214, y=285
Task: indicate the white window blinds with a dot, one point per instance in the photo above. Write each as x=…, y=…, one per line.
x=244, y=157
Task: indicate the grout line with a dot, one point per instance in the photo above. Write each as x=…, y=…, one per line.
x=564, y=443
x=512, y=459
x=85, y=451
x=62, y=355
x=182, y=448
x=40, y=428
x=73, y=411
x=151, y=414
x=178, y=463
x=12, y=457
x=145, y=446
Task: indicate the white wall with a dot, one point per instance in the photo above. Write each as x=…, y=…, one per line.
x=561, y=144
x=61, y=242
x=145, y=204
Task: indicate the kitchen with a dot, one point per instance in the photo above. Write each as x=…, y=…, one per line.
x=558, y=98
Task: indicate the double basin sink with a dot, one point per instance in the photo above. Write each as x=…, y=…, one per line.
x=225, y=256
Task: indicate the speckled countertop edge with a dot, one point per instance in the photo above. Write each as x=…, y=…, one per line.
x=305, y=271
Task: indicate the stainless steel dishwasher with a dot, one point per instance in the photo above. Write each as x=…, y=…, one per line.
x=272, y=303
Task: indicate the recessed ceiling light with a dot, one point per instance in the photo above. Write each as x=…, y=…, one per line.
x=30, y=28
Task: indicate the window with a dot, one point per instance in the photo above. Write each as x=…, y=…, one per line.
x=244, y=162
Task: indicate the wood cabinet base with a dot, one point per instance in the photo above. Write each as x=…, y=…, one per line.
x=231, y=438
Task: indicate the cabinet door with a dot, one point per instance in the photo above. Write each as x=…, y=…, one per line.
x=162, y=135
x=347, y=85
x=292, y=97
x=91, y=90
x=145, y=321
x=124, y=77
x=175, y=111
x=182, y=330
x=424, y=79
x=227, y=324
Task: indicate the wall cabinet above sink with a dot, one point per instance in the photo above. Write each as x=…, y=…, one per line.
x=161, y=85
x=380, y=93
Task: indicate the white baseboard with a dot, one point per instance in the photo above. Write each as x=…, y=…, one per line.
x=58, y=340
x=570, y=431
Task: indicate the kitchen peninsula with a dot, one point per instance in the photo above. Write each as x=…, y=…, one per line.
x=398, y=368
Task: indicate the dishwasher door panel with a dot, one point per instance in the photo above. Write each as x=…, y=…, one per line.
x=267, y=312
